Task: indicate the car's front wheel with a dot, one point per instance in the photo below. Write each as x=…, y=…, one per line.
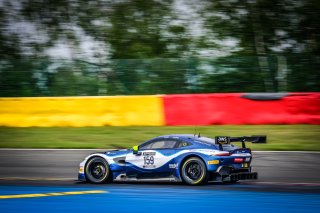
x=194, y=171
x=97, y=170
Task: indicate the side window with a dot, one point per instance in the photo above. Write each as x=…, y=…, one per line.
x=146, y=146
x=183, y=144
x=160, y=144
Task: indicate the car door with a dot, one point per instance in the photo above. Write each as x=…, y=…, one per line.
x=155, y=159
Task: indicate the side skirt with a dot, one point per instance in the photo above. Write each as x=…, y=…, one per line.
x=124, y=178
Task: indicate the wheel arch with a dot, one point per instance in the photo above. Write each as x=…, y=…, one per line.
x=88, y=158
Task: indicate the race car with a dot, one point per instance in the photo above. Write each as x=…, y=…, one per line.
x=188, y=158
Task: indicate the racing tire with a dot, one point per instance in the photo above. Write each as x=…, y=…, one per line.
x=97, y=170
x=194, y=171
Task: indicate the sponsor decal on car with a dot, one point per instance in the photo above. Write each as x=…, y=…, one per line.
x=149, y=153
x=173, y=166
x=148, y=161
x=245, y=165
x=213, y=162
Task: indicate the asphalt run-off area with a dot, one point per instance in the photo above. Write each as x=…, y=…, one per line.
x=45, y=181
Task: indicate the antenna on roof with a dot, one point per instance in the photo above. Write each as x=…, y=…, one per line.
x=199, y=135
x=195, y=131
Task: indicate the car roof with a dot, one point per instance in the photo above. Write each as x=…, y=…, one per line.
x=195, y=138
x=178, y=136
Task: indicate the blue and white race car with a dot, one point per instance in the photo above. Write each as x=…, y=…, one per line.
x=192, y=159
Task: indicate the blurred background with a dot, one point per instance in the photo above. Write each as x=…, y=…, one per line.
x=106, y=48
x=125, y=47
x=105, y=74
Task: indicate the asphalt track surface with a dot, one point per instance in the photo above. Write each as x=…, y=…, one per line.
x=45, y=180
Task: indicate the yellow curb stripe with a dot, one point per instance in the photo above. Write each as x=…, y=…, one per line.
x=53, y=194
x=83, y=111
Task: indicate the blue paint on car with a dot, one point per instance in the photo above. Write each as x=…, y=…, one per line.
x=166, y=158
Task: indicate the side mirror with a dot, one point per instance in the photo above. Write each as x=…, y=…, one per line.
x=135, y=149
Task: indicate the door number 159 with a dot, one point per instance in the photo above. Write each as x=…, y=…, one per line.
x=148, y=160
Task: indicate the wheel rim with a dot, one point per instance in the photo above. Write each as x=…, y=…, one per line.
x=97, y=171
x=193, y=171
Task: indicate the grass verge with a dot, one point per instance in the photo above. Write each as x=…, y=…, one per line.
x=280, y=137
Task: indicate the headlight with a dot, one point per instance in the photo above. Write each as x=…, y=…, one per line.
x=81, y=169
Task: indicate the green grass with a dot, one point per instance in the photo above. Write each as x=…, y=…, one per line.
x=280, y=137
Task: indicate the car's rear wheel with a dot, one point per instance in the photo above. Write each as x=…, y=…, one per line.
x=97, y=170
x=194, y=171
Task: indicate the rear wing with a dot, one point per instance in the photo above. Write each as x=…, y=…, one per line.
x=227, y=140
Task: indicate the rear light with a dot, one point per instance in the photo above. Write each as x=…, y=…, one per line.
x=238, y=160
x=222, y=154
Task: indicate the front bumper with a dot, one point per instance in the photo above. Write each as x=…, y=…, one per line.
x=81, y=177
x=241, y=176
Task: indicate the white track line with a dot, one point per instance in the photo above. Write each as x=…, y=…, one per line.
x=37, y=178
x=72, y=179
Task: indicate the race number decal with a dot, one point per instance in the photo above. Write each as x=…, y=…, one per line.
x=148, y=161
